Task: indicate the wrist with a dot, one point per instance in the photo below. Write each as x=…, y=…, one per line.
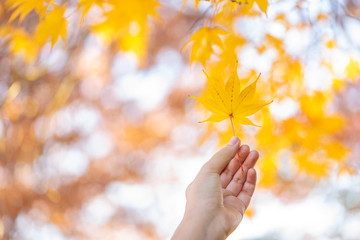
x=197, y=227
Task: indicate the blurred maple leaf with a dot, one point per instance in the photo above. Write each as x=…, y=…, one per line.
x=227, y=101
x=23, y=7
x=46, y=28
x=204, y=41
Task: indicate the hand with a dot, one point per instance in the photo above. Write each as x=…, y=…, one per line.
x=220, y=193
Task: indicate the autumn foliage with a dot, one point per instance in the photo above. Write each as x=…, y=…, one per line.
x=78, y=79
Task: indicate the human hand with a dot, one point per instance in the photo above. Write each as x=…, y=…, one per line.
x=220, y=193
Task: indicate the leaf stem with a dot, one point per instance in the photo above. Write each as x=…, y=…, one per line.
x=232, y=124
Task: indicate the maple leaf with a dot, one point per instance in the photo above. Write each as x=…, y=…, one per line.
x=204, y=41
x=23, y=7
x=52, y=26
x=227, y=101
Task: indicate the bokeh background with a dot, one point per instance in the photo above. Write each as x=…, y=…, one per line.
x=99, y=139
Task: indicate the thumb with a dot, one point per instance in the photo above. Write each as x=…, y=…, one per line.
x=219, y=161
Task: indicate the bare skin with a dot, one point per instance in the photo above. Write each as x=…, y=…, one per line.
x=219, y=195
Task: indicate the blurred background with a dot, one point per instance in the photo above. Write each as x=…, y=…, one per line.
x=99, y=139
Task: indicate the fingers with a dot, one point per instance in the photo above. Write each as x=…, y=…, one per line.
x=249, y=187
x=229, y=171
x=219, y=161
x=239, y=178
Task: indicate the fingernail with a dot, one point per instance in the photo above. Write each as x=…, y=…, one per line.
x=234, y=140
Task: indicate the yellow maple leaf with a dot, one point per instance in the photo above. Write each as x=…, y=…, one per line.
x=227, y=101
x=23, y=7
x=52, y=26
x=204, y=40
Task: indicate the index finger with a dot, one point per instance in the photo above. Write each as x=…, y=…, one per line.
x=218, y=162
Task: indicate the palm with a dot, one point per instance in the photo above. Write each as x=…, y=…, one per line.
x=237, y=184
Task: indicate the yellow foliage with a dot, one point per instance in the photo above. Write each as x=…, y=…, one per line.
x=313, y=106
x=203, y=42
x=316, y=166
x=232, y=44
x=352, y=70
x=227, y=13
x=269, y=170
x=131, y=30
x=336, y=151
x=307, y=136
x=263, y=5
x=23, y=7
x=312, y=140
x=46, y=29
x=337, y=84
x=275, y=42
x=268, y=132
x=20, y=43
